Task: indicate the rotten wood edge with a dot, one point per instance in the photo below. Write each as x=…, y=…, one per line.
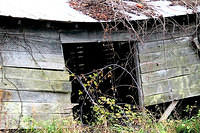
x=138, y=75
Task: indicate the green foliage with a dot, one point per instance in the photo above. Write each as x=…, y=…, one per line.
x=189, y=125
x=113, y=117
x=116, y=119
x=64, y=125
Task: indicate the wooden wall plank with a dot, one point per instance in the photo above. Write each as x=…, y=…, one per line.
x=170, y=70
x=170, y=53
x=35, y=45
x=157, y=46
x=169, y=63
x=186, y=92
x=34, y=49
x=34, y=74
x=156, y=99
x=36, y=32
x=138, y=76
x=84, y=36
x=34, y=60
x=174, y=84
x=35, y=108
x=35, y=85
x=170, y=73
x=174, y=95
x=34, y=97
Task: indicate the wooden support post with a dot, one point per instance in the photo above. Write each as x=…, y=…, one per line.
x=168, y=111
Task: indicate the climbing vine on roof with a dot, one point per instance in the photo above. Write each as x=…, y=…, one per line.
x=109, y=10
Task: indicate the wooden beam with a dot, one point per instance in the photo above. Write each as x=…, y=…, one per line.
x=138, y=76
x=168, y=111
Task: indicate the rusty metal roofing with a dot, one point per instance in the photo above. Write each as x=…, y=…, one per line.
x=59, y=10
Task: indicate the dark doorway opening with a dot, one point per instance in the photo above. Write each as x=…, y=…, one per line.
x=82, y=58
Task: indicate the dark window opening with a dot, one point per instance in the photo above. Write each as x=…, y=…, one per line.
x=86, y=57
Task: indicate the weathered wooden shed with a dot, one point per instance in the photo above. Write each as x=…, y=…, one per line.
x=34, y=38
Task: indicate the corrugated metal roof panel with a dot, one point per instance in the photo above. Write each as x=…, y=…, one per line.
x=56, y=10
x=59, y=10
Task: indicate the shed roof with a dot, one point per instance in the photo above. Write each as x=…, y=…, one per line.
x=60, y=10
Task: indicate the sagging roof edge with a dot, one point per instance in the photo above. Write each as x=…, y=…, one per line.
x=73, y=25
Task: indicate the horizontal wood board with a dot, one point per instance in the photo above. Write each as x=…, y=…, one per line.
x=41, y=95
x=35, y=108
x=170, y=70
x=31, y=49
x=34, y=96
x=34, y=74
x=154, y=34
x=34, y=80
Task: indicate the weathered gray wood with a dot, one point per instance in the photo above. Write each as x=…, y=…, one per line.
x=35, y=74
x=34, y=49
x=35, y=108
x=34, y=97
x=138, y=76
x=170, y=53
x=83, y=36
x=168, y=111
x=42, y=33
x=39, y=33
x=94, y=36
x=32, y=60
x=35, y=85
x=169, y=63
x=35, y=45
x=170, y=73
x=157, y=99
x=176, y=84
x=186, y=92
x=157, y=46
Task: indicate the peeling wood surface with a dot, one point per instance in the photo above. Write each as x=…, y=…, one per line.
x=170, y=70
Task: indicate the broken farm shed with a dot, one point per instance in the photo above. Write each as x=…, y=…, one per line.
x=36, y=45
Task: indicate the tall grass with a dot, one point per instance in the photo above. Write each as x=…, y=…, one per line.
x=112, y=118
